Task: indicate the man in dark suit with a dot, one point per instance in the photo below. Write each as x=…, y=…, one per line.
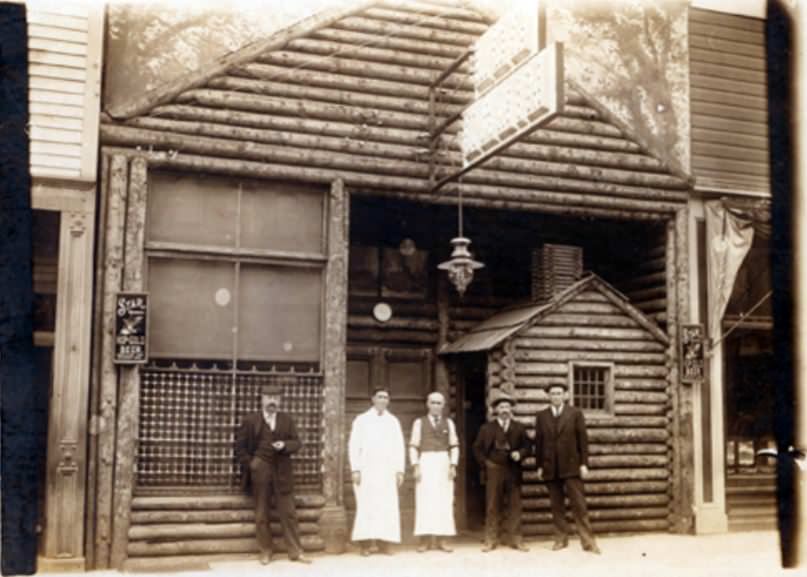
x=561, y=454
x=264, y=445
x=500, y=447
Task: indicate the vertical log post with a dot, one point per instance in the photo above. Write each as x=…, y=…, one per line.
x=113, y=268
x=95, y=363
x=129, y=395
x=442, y=383
x=681, y=426
x=333, y=522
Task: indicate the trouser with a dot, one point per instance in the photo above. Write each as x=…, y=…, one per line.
x=573, y=488
x=502, y=496
x=265, y=490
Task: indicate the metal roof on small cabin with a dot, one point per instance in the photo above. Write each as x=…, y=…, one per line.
x=493, y=331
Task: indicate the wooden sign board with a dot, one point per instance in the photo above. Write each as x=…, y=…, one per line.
x=529, y=97
x=131, y=328
x=693, y=346
x=512, y=40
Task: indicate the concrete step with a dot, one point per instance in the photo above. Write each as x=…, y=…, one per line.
x=181, y=562
x=753, y=524
x=174, y=531
x=214, y=546
x=751, y=512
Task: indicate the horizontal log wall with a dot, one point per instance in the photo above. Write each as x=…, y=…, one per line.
x=351, y=100
x=166, y=529
x=645, y=284
x=628, y=486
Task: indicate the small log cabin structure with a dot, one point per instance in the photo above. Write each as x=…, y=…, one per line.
x=613, y=359
x=270, y=202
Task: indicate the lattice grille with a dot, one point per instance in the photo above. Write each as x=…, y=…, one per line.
x=188, y=420
x=590, y=388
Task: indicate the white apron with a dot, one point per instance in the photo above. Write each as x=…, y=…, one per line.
x=434, y=496
x=376, y=450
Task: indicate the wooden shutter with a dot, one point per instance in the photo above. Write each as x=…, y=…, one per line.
x=729, y=104
x=64, y=65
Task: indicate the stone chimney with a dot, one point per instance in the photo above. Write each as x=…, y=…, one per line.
x=554, y=268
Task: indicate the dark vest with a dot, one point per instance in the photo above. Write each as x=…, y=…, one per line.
x=431, y=438
x=264, y=449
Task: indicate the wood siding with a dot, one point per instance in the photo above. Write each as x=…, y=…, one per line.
x=630, y=456
x=351, y=100
x=729, y=103
x=64, y=66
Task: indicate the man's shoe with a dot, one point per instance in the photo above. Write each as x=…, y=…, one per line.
x=443, y=546
x=384, y=548
x=488, y=547
x=422, y=547
x=302, y=559
x=521, y=547
x=265, y=558
x=593, y=549
x=560, y=545
x=364, y=551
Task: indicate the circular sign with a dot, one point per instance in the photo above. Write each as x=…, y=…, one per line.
x=222, y=297
x=382, y=312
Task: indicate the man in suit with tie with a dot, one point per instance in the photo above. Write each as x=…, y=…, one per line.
x=561, y=454
x=264, y=445
x=500, y=447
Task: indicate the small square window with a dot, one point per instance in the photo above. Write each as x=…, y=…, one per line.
x=592, y=387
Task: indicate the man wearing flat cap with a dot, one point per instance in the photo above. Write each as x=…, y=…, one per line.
x=500, y=447
x=264, y=445
x=561, y=454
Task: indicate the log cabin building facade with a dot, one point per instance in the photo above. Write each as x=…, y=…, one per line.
x=269, y=204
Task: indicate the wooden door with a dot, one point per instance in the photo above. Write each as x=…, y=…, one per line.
x=406, y=372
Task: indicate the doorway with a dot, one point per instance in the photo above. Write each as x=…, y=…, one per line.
x=471, y=410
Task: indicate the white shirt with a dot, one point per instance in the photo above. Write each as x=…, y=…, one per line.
x=504, y=424
x=270, y=420
x=556, y=411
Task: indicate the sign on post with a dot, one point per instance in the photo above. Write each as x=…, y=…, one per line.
x=693, y=365
x=131, y=328
x=530, y=96
x=513, y=39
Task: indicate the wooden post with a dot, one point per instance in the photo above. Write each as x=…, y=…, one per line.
x=129, y=395
x=441, y=380
x=681, y=437
x=113, y=268
x=63, y=537
x=334, y=519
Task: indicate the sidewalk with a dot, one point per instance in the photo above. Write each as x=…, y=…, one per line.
x=751, y=554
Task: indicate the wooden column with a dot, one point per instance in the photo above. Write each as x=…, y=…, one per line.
x=333, y=522
x=116, y=191
x=63, y=538
x=681, y=425
x=129, y=394
x=441, y=380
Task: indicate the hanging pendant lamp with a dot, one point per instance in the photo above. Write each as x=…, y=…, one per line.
x=461, y=266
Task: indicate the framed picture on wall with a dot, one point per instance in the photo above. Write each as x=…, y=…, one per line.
x=404, y=275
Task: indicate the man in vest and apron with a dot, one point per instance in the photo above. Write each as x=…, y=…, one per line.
x=434, y=452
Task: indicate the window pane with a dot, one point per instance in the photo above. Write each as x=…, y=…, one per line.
x=279, y=316
x=191, y=308
x=405, y=276
x=192, y=209
x=281, y=217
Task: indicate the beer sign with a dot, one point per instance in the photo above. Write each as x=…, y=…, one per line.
x=131, y=328
x=693, y=365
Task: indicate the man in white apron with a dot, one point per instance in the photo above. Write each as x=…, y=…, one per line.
x=377, y=460
x=434, y=452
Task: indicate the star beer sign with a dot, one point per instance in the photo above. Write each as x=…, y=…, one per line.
x=131, y=328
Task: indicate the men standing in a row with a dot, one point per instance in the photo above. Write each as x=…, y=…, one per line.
x=377, y=459
x=561, y=452
x=264, y=445
x=434, y=452
x=500, y=447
